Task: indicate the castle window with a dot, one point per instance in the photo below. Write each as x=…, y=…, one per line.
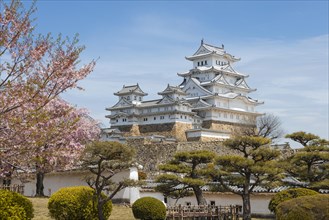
x=185, y=117
x=161, y=117
x=145, y=119
x=225, y=115
x=181, y=116
x=124, y=119
x=148, y=110
x=117, y=120
x=205, y=62
x=140, y=98
x=135, y=97
x=198, y=63
x=155, y=118
x=231, y=116
x=201, y=63
x=128, y=97
x=237, y=117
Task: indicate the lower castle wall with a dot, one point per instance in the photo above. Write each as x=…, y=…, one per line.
x=219, y=125
x=150, y=154
x=169, y=130
x=225, y=126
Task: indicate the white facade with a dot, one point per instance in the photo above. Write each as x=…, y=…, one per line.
x=211, y=91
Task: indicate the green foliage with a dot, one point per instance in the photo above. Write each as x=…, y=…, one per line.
x=149, y=208
x=76, y=202
x=256, y=160
x=14, y=206
x=311, y=163
x=288, y=194
x=104, y=159
x=302, y=137
x=307, y=208
x=255, y=164
x=187, y=170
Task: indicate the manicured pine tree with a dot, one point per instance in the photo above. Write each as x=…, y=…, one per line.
x=254, y=164
x=310, y=163
x=187, y=170
x=105, y=159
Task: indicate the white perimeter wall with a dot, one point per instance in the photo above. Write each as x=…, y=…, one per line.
x=54, y=181
x=259, y=202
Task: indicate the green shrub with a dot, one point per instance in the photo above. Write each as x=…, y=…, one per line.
x=149, y=208
x=14, y=206
x=76, y=203
x=307, y=208
x=287, y=195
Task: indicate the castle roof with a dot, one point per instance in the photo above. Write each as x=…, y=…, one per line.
x=206, y=49
x=171, y=90
x=132, y=89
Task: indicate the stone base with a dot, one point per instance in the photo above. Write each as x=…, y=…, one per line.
x=169, y=130
x=224, y=126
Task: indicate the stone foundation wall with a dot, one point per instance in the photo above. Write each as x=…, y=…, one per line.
x=179, y=131
x=150, y=154
x=125, y=129
x=223, y=125
x=169, y=130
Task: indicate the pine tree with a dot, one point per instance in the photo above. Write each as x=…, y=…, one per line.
x=310, y=163
x=187, y=170
x=255, y=164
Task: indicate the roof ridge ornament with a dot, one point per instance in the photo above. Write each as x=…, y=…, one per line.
x=202, y=41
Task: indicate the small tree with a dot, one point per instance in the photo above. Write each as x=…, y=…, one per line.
x=168, y=186
x=310, y=163
x=267, y=126
x=186, y=170
x=104, y=160
x=254, y=165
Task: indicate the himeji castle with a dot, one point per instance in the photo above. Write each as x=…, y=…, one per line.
x=210, y=103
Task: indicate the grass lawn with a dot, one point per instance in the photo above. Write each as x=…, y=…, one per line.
x=41, y=211
x=118, y=212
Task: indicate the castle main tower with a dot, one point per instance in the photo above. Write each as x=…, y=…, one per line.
x=211, y=102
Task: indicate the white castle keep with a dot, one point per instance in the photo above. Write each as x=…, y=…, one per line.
x=210, y=103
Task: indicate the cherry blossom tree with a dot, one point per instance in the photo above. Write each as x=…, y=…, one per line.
x=38, y=130
x=33, y=69
x=52, y=140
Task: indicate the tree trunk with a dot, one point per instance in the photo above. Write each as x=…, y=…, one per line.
x=100, y=210
x=246, y=206
x=199, y=196
x=39, y=184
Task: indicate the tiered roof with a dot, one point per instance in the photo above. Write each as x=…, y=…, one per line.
x=207, y=49
x=172, y=90
x=133, y=89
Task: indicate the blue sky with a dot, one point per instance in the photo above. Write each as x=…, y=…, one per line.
x=283, y=46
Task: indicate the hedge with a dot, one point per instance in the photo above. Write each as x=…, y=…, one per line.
x=76, y=203
x=15, y=206
x=287, y=195
x=149, y=208
x=307, y=208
